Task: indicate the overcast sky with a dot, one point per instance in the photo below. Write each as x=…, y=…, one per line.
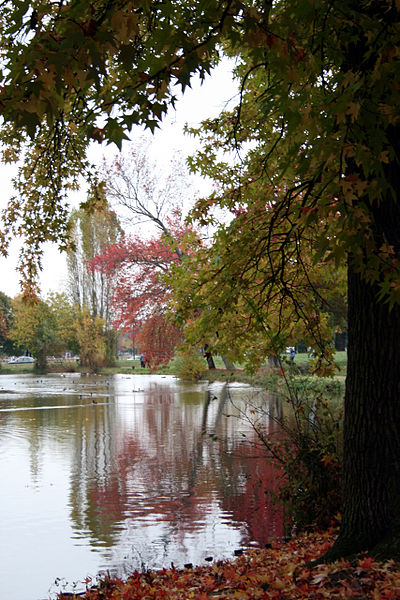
x=198, y=103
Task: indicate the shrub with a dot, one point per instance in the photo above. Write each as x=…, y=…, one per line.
x=307, y=447
x=190, y=365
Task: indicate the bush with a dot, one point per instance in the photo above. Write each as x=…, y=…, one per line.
x=307, y=446
x=190, y=365
x=310, y=387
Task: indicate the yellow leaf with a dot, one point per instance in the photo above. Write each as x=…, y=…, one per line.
x=278, y=584
x=384, y=157
x=353, y=110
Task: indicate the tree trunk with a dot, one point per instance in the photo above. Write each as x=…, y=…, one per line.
x=41, y=361
x=273, y=362
x=371, y=453
x=209, y=358
x=227, y=364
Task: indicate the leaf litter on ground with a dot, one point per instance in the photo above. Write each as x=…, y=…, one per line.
x=277, y=573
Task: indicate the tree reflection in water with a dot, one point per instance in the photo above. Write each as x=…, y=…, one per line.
x=170, y=469
x=140, y=478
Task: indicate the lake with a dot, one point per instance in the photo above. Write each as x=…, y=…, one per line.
x=116, y=473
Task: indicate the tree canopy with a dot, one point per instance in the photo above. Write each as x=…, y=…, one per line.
x=75, y=72
x=35, y=328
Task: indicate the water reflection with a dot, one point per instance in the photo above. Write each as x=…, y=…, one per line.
x=123, y=472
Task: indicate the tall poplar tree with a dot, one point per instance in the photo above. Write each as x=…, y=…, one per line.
x=91, y=234
x=91, y=291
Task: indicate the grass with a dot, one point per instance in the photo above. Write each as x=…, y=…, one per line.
x=303, y=360
x=6, y=369
x=133, y=366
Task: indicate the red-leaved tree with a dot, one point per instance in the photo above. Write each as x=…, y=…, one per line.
x=149, y=198
x=141, y=296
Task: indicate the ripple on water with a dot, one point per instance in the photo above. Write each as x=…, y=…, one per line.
x=130, y=481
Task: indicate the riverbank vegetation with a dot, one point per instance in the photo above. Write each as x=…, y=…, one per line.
x=300, y=366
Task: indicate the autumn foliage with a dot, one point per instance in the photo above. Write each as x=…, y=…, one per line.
x=141, y=296
x=278, y=572
x=158, y=338
x=3, y=324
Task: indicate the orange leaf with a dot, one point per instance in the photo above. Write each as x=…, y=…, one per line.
x=366, y=563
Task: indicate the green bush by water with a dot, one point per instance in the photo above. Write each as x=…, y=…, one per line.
x=189, y=364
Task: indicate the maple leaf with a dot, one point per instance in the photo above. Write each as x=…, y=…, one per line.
x=365, y=563
x=353, y=110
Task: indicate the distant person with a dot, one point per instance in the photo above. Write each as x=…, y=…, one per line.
x=292, y=353
x=142, y=361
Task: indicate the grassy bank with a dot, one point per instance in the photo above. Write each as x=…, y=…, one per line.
x=301, y=362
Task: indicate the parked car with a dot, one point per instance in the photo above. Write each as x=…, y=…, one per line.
x=21, y=359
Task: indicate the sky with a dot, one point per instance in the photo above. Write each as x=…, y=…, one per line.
x=199, y=102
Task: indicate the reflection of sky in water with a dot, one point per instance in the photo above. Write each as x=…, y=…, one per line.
x=115, y=474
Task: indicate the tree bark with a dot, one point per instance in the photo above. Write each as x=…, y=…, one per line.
x=371, y=451
x=371, y=463
x=41, y=361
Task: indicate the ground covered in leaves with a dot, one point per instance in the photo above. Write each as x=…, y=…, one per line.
x=278, y=572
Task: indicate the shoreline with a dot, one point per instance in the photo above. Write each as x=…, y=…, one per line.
x=278, y=572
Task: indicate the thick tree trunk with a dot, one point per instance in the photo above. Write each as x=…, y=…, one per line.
x=371, y=452
x=371, y=469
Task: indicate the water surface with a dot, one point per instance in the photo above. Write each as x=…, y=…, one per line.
x=121, y=473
